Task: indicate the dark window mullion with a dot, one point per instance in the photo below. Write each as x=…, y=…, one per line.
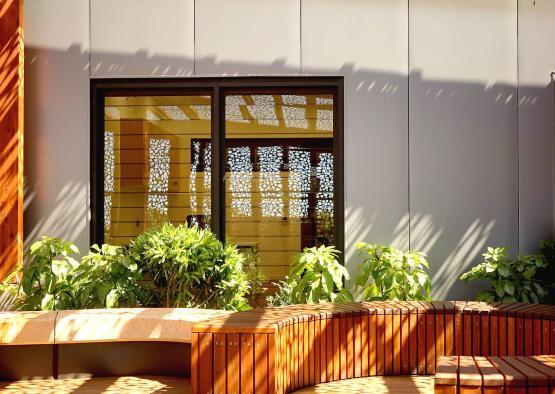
x=218, y=165
x=97, y=167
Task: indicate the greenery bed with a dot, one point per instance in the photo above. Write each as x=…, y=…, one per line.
x=180, y=266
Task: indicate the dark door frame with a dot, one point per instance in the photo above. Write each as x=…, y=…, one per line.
x=218, y=88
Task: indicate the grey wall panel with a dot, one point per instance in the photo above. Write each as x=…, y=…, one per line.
x=57, y=119
x=247, y=36
x=367, y=43
x=463, y=134
x=142, y=37
x=536, y=25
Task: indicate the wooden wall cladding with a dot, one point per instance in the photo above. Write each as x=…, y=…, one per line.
x=11, y=135
x=278, y=350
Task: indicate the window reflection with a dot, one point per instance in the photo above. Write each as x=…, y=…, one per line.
x=153, y=172
x=279, y=176
x=279, y=169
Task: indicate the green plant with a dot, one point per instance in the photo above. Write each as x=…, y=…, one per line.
x=388, y=273
x=317, y=276
x=190, y=267
x=511, y=280
x=107, y=278
x=251, y=264
x=547, y=248
x=283, y=294
x=47, y=282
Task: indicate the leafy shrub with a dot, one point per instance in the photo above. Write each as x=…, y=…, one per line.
x=315, y=276
x=47, y=282
x=283, y=295
x=190, y=267
x=388, y=273
x=511, y=280
x=251, y=264
x=547, y=248
x=107, y=278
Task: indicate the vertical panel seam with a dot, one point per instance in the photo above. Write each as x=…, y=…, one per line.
x=408, y=128
x=90, y=38
x=194, y=37
x=301, y=36
x=518, y=200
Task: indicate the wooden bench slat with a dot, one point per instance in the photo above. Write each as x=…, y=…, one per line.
x=469, y=374
x=541, y=366
x=533, y=376
x=512, y=376
x=490, y=374
x=447, y=371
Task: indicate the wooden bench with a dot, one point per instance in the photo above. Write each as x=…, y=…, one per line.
x=278, y=350
x=495, y=375
x=106, y=342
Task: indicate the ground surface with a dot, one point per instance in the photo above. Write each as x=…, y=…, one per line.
x=157, y=384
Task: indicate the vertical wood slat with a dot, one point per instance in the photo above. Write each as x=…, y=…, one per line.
x=372, y=342
x=380, y=343
x=421, y=342
x=301, y=355
x=271, y=370
x=233, y=364
x=413, y=338
x=11, y=136
x=502, y=338
x=430, y=342
x=312, y=346
x=295, y=344
x=317, y=349
x=545, y=336
x=220, y=363
x=467, y=331
x=397, y=340
x=485, y=332
x=336, y=349
x=350, y=352
x=331, y=354
x=364, y=328
x=494, y=333
x=357, y=330
x=343, y=346
x=194, y=363
x=247, y=363
x=323, y=349
x=458, y=327
x=306, y=365
x=476, y=332
x=439, y=329
x=449, y=328
x=405, y=343
x=205, y=352
x=520, y=334
x=388, y=353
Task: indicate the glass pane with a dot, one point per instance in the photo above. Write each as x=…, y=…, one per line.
x=279, y=176
x=155, y=167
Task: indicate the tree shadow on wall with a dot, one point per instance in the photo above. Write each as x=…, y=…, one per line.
x=429, y=162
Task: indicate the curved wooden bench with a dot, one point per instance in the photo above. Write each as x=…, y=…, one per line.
x=98, y=342
x=278, y=350
x=495, y=375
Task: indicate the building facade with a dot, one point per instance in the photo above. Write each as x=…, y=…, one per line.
x=447, y=110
